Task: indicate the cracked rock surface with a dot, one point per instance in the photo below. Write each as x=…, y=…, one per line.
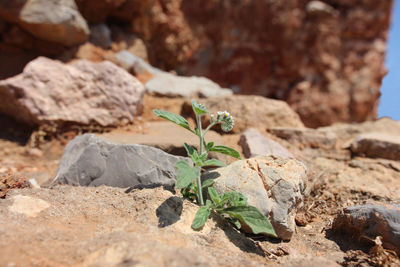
x=274, y=185
x=92, y=161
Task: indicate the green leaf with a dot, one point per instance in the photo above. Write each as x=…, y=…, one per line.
x=226, y=150
x=196, y=159
x=198, y=108
x=251, y=217
x=234, y=198
x=175, y=118
x=203, y=156
x=201, y=217
x=186, y=174
x=209, y=146
x=189, y=149
x=215, y=197
x=197, y=132
x=234, y=221
x=214, y=162
x=207, y=183
x=190, y=192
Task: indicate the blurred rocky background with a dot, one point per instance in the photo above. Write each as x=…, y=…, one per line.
x=324, y=58
x=86, y=169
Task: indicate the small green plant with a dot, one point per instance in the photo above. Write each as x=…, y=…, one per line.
x=231, y=205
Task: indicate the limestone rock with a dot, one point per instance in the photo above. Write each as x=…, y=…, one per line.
x=347, y=131
x=82, y=93
x=377, y=145
x=255, y=144
x=274, y=185
x=131, y=62
x=55, y=21
x=28, y=206
x=371, y=221
x=167, y=84
x=91, y=161
x=252, y=111
x=306, y=137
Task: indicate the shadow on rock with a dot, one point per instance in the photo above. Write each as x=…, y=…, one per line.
x=151, y=186
x=169, y=212
x=237, y=238
x=345, y=243
x=15, y=131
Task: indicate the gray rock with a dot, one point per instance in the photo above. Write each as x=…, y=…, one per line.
x=129, y=61
x=165, y=136
x=50, y=20
x=255, y=144
x=274, y=185
x=167, y=84
x=82, y=92
x=91, y=161
x=377, y=145
x=371, y=221
x=100, y=35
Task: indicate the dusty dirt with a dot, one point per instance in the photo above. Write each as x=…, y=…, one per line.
x=109, y=226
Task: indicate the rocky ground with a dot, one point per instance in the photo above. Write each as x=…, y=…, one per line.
x=104, y=226
x=87, y=171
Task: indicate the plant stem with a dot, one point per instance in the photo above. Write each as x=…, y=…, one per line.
x=208, y=128
x=200, y=191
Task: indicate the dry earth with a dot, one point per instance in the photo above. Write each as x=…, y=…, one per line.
x=103, y=226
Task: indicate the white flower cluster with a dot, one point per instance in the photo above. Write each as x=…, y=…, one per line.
x=226, y=119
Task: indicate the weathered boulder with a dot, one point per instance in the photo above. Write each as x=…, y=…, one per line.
x=163, y=83
x=55, y=21
x=348, y=131
x=136, y=64
x=274, y=185
x=167, y=84
x=91, y=161
x=377, y=145
x=371, y=221
x=252, y=111
x=255, y=144
x=306, y=137
x=325, y=58
x=82, y=92
x=162, y=25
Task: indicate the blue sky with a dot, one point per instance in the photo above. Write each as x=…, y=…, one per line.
x=390, y=100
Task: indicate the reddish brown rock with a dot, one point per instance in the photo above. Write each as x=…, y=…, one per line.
x=377, y=145
x=324, y=58
x=83, y=93
x=160, y=23
x=10, y=181
x=54, y=21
